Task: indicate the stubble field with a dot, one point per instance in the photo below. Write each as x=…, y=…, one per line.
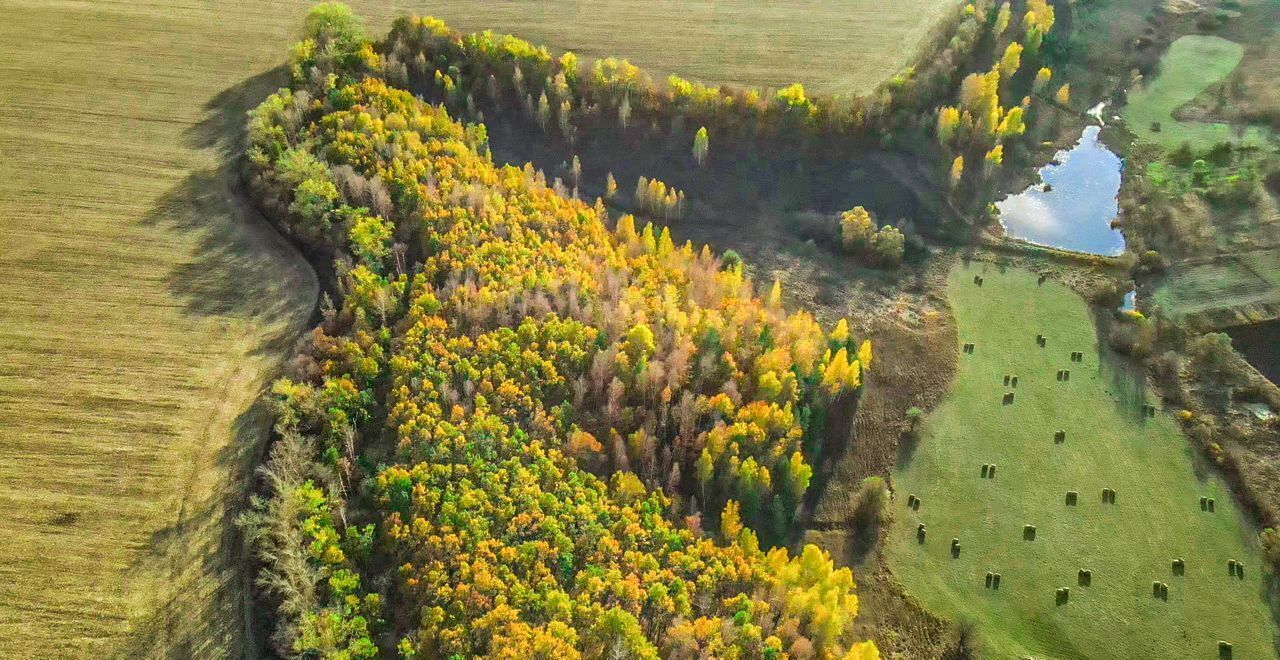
x=845, y=47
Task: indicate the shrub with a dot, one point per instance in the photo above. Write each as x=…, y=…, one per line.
x=872, y=499
x=1212, y=355
x=888, y=245
x=914, y=417
x=1270, y=540
x=883, y=247
x=1220, y=154
x=1182, y=156
x=856, y=229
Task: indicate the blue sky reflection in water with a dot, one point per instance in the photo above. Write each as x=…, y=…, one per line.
x=1077, y=210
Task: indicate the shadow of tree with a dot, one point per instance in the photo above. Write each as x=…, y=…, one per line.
x=223, y=126
x=242, y=272
x=864, y=535
x=908, y=441
x=1271, y=595
x=1124, y=379
x=240, y=266
x=202, y=559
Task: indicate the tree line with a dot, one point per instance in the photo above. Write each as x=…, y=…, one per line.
x=994, y=108
x=565, y=95
x=967, y=122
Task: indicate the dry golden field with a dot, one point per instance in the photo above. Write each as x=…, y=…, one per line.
x=831, y=46
x=143, y=309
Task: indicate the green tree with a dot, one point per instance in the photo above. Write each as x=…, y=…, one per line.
x=617, y=634
x=313, y=200
x=369, y=238
x=888, y=246
x=335, y=23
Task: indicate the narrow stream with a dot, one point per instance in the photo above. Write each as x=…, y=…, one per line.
x=1074, y=206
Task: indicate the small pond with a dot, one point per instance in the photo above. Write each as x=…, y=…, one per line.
x=1074, y=206
x=1130, y=302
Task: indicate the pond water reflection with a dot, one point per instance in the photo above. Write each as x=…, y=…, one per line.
x=1075, y=205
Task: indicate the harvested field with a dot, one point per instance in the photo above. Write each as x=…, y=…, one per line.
x=769, y=44
x=145, y=307
x=1019, y=526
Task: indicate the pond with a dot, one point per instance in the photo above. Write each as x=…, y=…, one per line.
x=1074, y=206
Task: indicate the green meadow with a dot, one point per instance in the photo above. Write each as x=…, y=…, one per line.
x=1191, y=64
x=1109, y=444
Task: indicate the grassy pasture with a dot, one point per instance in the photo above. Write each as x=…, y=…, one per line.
x=845, y=47
x=1192, y=63
x=1127, y=545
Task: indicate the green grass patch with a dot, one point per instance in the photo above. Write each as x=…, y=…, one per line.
x=1192, y=63
x=1222, y=283
x=759, y=44
x=1125, y=545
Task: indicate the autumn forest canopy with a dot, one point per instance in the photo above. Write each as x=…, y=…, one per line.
x=525, y=426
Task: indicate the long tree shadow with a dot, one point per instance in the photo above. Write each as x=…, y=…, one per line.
x=1271, y=595
x=201, y=560
x=1123, y=379
x=238, y=270
x=238, y=267
x=223, y=125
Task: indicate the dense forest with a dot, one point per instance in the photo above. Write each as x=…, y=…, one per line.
x=525, y=429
